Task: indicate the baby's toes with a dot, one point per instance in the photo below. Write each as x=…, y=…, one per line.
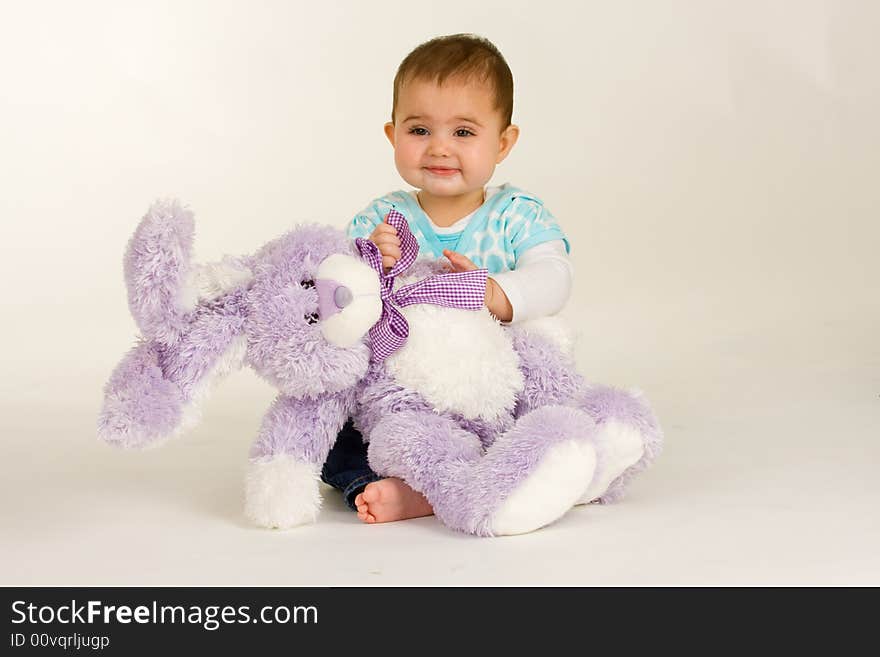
x=372, y=493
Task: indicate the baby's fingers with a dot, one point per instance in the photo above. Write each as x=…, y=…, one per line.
x=458, y=261
x=382, y=230
x=386, y=240
x=390, y=251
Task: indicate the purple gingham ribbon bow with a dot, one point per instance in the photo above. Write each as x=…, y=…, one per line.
x=466, y=289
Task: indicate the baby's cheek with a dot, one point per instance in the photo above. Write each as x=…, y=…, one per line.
x=408, y=168
x=406, y=155
x=480, y=166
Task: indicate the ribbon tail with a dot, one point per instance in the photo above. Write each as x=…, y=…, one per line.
x=388, y=334
x=465, y=290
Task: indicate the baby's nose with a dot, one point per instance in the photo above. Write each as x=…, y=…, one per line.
x=438, y=146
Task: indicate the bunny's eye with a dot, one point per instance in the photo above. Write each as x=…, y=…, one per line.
x=312, y=319
x=307, y=284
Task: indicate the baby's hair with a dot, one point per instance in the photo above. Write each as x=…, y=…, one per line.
x=465, y=56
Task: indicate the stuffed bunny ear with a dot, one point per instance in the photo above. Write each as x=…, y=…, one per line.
x=157, y=266
x=348, y=299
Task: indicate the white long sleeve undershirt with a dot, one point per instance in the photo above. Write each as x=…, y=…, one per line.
x=541, y=283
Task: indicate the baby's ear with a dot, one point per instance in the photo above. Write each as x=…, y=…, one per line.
x=508, y=139
x=389, y=132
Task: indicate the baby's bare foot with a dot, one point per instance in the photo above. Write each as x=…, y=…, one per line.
x=391, y=499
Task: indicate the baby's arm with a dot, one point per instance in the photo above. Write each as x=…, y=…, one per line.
x=539, y=286
x=541, y=283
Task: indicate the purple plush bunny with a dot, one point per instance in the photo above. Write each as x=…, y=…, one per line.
x=491, y=423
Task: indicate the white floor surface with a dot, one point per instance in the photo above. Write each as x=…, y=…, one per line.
x=769, y=477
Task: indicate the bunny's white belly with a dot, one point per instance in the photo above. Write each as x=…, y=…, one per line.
x=460, y=361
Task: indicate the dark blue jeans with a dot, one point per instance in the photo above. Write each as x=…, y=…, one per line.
x=346, y=467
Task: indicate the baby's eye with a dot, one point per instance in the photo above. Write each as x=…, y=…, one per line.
x=421, y=132
x=463, y=132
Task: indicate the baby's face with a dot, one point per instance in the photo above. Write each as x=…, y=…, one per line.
x=448, y=139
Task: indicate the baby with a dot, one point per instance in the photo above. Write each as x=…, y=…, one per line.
x=450, y=127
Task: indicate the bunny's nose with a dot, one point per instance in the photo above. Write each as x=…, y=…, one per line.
x=332, y=297
x=348, y=299
x=342, y=296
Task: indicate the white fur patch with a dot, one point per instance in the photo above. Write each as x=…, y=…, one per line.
x=552, y=329
x=282, y=492
x=620, y=446
x=347, y=327
x=460, y=361
x=549, y=491
x=207, y=282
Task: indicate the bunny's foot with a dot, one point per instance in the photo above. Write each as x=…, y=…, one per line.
x=282, y=492
x=628, y=439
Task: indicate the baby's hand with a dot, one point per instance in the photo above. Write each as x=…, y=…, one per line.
x=495, y=299
x=385, y=237
x=458, y=262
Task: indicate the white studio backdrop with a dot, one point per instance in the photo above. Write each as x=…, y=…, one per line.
x=715, y=164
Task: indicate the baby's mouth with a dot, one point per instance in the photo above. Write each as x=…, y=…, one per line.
x=441, y=171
